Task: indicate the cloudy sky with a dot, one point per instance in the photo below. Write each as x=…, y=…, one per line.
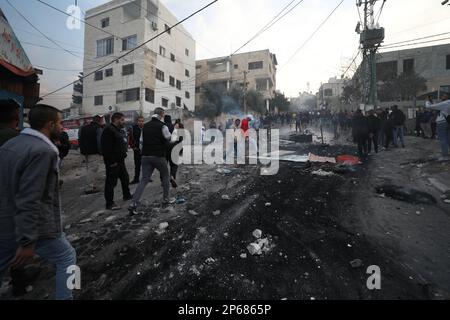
x=227, y=25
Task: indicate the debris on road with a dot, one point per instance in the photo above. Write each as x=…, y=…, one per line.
x=226, y=197
x=162, y=228
x=357, y=263
x=348, y=160
x=216, y=213
x=322, y=173
x=257, y=234
x=318, y=159
x=193, y=213
x=224, y=171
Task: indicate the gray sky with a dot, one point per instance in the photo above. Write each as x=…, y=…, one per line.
x=228, y=24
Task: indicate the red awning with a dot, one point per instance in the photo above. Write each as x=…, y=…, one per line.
x=17, y=71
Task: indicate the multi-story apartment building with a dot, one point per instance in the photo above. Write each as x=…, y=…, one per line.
x=258, y=68
x=159, y=74
x=431, y=63
x=330, y=93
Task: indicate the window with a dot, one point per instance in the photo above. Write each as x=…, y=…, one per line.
x=105, y=47
x=172, y=57
x=328, y=92
x=178, y=99
x=167, y=28
x=109, y=72
x=236, y=66
x=387, y=70
x=448, y=62
x=129, y=43
x=150, y=95
x=255, y=65
x=187, y=73
x=197, y=89
x=165, y=103
x=186, y=52
x=104, y=22
x=98, y=100
x=162, y=51
x=128, y=69
x=159, y=75
x=172, y=81
x=187, y=94
x=178, y=84
x=408, y=66
x=98, y=76
x=128, y=95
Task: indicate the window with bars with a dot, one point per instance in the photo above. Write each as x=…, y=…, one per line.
x=98, y=76
x=172, y=81
x=104, y=22
x=172, y=57
x=255, y=65
x=159, y=75
x=109, y=72
x=187, y=94
x=165, y=103
x=98, y=100
x=128, y=95
x=128, y=69
x=187, y=73
x=178, y=84
x=178, y=101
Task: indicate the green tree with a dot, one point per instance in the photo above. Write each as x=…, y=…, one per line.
x=255, y=101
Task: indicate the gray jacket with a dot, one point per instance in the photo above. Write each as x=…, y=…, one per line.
x=29, y=195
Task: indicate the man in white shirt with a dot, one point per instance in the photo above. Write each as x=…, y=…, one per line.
x=443, y=126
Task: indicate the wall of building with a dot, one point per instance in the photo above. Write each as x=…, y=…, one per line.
x=230, y=72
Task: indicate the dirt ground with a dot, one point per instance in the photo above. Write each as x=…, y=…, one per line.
x=315, y=226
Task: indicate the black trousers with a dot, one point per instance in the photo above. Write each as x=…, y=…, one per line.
x=433, y=129
x=115, y=172
x=374, y=141
x=137, y=164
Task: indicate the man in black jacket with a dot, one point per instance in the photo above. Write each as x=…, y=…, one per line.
x=9, y=120
x=89, y=141
x=114, y=149
x=156, y=138
x=135, y=144
x=361, y=133
x=374, y=130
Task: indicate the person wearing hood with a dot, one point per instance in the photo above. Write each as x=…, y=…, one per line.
x=156, y=137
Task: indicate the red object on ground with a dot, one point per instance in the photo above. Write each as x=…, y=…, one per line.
x=348, y=160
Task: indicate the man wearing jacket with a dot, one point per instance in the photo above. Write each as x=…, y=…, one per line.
x=89, y=141
x=135, y=144
x=398, y=119
x=30, y=212
x=114, y=145
x=156, y=136
x=443, y=124
x=374, y=130
x=361, y=133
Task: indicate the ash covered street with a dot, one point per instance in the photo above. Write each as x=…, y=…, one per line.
x=323, y=225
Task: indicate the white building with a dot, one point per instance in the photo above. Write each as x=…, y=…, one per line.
x=160, y=74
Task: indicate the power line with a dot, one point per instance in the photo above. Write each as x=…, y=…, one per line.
x=313, y=34
x=415, y=43
x=270, y=24
x=56, y=69
x=43, y=34
x=78, y=19
x=351, y=63
x=138, y=47
x=422, y=38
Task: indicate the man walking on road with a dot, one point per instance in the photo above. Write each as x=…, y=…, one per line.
x=156, y=136
x=30, y=212
x=374, y=130
x=114, y=148
x=136, y=141
x=90, y=148
x=361, y=133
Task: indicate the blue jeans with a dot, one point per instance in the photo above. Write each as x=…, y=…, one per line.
x=399, y=134
x=443, y=131
x=56, y=251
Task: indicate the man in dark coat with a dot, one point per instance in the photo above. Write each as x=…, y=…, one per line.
x=360, y=125
x=374, y=130
x=114, y=146
x=135, y=144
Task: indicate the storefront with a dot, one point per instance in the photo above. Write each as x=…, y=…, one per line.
x=18, y=78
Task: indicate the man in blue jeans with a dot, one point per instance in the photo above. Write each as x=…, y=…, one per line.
x=398, y=119
x=30, y=210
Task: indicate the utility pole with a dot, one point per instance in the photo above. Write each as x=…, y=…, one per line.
x=371, y=38
x=245, y=92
